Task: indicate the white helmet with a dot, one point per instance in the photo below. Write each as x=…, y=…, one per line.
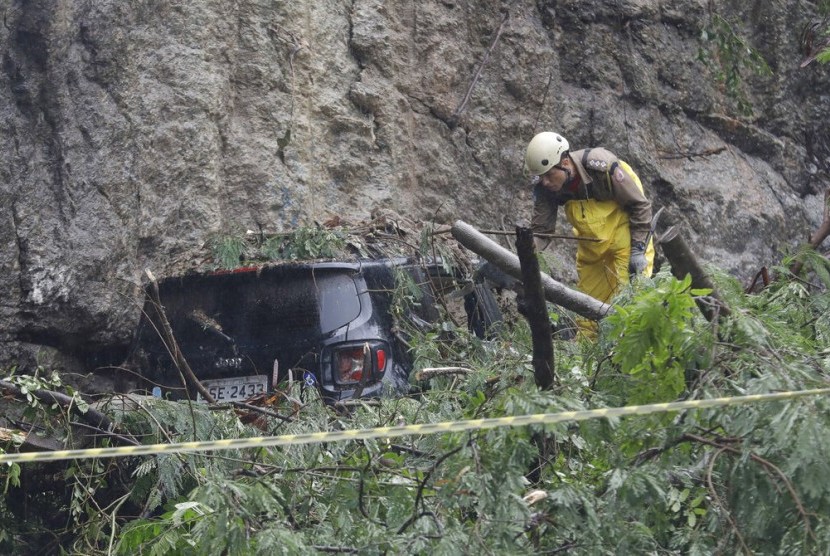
x=544, y=152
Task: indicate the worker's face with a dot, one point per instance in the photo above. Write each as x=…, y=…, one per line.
x=557, y=176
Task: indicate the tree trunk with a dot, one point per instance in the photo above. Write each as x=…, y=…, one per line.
x=534, y=309
x=684, y=262
x=555, y=292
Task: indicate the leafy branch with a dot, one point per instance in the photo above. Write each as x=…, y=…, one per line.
x=644, y=484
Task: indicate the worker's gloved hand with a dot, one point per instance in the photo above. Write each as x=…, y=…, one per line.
x=637, y=263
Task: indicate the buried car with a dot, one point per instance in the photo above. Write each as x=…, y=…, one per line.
x=329, y=324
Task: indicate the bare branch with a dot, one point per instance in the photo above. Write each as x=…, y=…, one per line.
x=429, y=372
x=684, y=262
x=507, y=261
x=178, y=356
x=92, y=418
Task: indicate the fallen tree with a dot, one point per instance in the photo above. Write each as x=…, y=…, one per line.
x=507, y=261
x=739, y=479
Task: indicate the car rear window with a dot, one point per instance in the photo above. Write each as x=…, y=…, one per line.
x=339, y=302
x=276, y=305
x=322, y=301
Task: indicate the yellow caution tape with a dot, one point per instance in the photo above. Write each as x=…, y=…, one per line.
x=404, y=430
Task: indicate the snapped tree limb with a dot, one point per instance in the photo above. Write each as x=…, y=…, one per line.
x=426, y=374
x=172, y=344
x=555, y=292
x=683, y=261
x=533, y=308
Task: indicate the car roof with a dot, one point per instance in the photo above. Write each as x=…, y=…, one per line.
x=355, y=265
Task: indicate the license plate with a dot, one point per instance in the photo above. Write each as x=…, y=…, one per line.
x=237, y=389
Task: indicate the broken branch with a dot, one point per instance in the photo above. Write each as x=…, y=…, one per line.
x=175, y=352
x=91, y=418
x=546, y=236
x=426, y=374
x=683, y=261
x=507, y=261
x=690, y=155
x=455, y=115
x=534, y=309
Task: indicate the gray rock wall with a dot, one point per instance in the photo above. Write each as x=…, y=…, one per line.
x=131, y=132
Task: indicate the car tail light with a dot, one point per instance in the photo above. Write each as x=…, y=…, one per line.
x=381, y=356
x=351, y=363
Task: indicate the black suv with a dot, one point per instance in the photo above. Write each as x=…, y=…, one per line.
x=329, y=324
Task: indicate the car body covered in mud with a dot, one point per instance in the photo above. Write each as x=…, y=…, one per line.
x=329, y=324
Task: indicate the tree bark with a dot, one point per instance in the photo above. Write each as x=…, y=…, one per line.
x=534, y=309
x=683, y=262
x=555, y=292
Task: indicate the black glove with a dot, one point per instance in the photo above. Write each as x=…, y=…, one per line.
x=637, y=263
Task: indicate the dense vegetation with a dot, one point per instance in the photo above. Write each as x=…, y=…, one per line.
x=741, y=479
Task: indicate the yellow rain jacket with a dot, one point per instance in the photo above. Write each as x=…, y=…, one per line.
x=608, y=204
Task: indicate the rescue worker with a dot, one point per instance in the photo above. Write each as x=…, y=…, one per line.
x=603, y=199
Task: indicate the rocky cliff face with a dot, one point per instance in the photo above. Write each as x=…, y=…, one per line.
x=133, y=131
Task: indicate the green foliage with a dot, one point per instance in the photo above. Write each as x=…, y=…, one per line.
x=305, y=243
x=272, y=248
x=436, y=251
x=227, y=250
x=226, y=519
x=815, y=265
x=741, y=479
x=408, y=293
x=12, y=475
x=729, y=55
x=656, y=340
x=313, y=243
x=28, y=383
